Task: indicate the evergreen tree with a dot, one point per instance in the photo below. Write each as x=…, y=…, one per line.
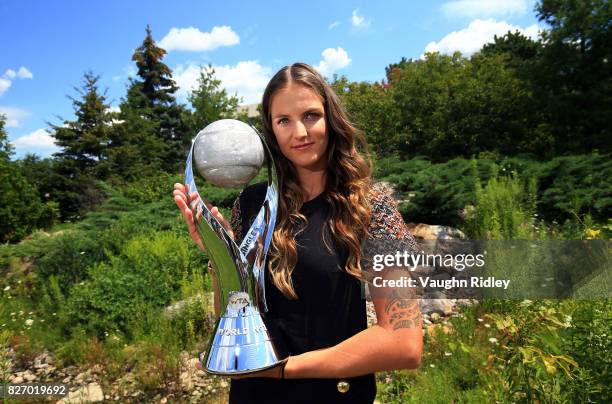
x=153, y=97
x=84, y=144
x=83, y=141
x=20, y=208
x=210, y=102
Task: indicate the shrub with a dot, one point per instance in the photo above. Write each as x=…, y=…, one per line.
x=147, y=273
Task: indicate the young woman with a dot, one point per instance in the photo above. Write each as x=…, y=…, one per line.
x=328, y=209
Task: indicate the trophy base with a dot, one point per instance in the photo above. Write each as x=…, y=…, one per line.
x=242, y=344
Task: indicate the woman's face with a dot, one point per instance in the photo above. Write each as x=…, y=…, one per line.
x=298, y=122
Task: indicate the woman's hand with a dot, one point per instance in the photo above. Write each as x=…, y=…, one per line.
x=187, y=203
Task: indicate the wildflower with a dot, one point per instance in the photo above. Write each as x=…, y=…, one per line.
x=493, y=340
x=3, y=325
x=7, y=288
x=447, y=353
x=13, y=313
x=480, y=320
x=432, y=366
x=526, y=302
x=487, y=325
x=82, y=252
x=29, y=322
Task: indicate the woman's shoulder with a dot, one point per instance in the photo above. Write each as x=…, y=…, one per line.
x=385, y=218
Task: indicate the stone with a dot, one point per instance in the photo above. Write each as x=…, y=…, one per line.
x=186, y=381
x=17, y=380
x=92, y=393
x=434, y=232
x=29, y=376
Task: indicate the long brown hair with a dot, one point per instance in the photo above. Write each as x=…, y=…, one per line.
x=347, y=183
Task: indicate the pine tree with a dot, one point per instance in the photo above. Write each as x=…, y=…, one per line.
x=153, y=96
x=20, y=207
x=84, y=144
x=84, y=140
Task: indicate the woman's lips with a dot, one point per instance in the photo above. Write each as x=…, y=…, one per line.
x=302, y=146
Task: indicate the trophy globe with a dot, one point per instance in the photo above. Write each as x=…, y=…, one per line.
x=228, y=153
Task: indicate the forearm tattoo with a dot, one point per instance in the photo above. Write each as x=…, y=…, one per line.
x=403, y=313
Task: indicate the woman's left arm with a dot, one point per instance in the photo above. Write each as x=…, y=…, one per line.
x=394, y=343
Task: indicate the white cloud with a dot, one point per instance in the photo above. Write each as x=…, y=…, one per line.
x=14, y=116
x=484, y=8
x=39, y=139
x=24, y=73
x=333, y=60
x=5, y=84
x=358, y=21
x=9, y=75
x=193, y=40
x=469, y=40
x=248, y=79
x=333, y=25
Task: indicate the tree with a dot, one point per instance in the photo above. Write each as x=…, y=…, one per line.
x=20, y=208
x=578, y=78
x=153, y=97
x=210, y=102
x=84, y=144
x=452, y=106
x=135, y=149
x=372, y=110
x=83, y=141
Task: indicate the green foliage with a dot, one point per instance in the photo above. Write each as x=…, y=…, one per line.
x=575, y=79
x=210, y=101
x=146, y=274
x=504, y=209
x=21, y=210
x=434, y=193
x=83, y=141
x=152, y=99
x=566, y=188
x=372, y=110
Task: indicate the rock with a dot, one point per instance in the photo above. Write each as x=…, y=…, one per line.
x=67, y=379
x=434, y=232
x=436, y=303
x=224, y=384
x=163, y=400
x=29, y=376
x=17, y=380
x=435, y=317
x=92, y=393
x=186, y=382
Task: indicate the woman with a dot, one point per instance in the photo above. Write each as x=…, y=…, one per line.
x=328, y=209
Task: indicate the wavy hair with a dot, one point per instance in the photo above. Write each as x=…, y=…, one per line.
x=347, y=181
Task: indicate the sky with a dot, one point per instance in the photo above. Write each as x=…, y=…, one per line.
x=47, y=46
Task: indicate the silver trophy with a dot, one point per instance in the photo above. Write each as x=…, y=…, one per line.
x=243, y=342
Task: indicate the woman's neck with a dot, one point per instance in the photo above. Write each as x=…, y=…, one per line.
x=312, y=182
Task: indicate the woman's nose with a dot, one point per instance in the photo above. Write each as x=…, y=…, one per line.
x=300, y=130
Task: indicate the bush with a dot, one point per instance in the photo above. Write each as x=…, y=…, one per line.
x=146, y=274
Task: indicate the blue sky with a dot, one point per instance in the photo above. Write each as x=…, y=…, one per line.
x=47, y=46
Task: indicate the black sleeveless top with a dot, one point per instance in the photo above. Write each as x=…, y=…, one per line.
x=329, y=309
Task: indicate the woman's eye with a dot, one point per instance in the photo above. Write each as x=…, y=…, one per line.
x=282, y=121
x=312, y=116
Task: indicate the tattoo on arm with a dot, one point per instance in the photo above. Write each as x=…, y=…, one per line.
x=403, y=313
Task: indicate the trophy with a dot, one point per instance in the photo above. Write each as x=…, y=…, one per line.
x=229, y=152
